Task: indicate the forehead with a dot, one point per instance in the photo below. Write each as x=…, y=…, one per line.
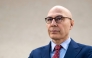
x=56, y=12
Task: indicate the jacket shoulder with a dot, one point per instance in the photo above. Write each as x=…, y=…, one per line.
x=38, y=51
x=84, y=46
x=86, y=50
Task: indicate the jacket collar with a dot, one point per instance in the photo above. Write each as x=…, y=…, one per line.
x=73, y=50
x=46, y=51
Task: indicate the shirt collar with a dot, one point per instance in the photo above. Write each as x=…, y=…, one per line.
x=64, y=44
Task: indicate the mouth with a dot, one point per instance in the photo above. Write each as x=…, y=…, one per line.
x=54, y=31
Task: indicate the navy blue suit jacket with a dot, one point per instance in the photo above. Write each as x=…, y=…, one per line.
x=75, y=50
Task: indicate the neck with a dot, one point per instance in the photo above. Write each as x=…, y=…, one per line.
x=59, y=41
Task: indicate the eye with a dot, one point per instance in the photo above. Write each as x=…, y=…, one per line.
x=49, y=19
x=58, y=18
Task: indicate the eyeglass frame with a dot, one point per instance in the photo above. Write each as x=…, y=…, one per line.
x=56, y=20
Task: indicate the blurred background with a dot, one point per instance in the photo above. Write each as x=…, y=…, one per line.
x=22, y=24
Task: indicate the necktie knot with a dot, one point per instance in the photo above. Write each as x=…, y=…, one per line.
x=58, y=47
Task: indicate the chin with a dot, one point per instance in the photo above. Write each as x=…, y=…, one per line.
x=54, y=37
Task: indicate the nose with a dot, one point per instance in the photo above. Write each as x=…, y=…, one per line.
x=53, y=23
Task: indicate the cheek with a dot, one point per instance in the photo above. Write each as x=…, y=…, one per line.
x=67, y=28
x=64, y=28
x=62, y=31
x=48, y=27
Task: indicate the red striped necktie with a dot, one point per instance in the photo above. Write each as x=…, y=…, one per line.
x=57, y=51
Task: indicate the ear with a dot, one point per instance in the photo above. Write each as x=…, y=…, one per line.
x=72, y=24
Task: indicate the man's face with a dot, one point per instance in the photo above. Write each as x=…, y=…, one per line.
x=59, y=30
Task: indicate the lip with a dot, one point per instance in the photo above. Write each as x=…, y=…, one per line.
x=54, y=31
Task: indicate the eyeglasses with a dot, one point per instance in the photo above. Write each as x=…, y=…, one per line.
x=58, y=19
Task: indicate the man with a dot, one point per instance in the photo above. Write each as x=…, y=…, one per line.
x=59, y=23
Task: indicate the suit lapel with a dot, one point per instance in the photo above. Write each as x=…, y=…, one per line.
x=73, y=50
x=46, y=51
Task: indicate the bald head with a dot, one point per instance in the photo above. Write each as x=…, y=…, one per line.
x=60, y=10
